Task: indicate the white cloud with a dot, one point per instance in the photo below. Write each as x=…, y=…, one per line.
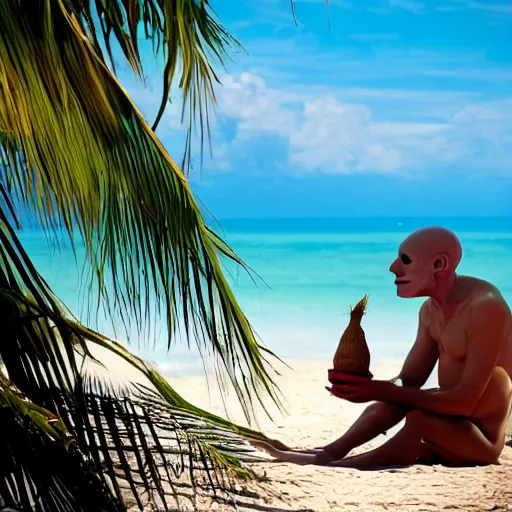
x=343, y=129
x=255, y=106
x=336, y=137
x=403, y=130
x=328, y=134
x=498, y=111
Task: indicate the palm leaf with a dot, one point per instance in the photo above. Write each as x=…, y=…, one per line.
x=142, y=445
x=86, y=160
x=154, y=450
x=192, y=41
x=75, y=149
x=143, y=440
x=294, y=12
x=41, y=469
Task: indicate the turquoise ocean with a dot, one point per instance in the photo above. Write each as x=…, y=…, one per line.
x=309, y=273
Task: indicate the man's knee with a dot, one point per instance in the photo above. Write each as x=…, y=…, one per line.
x=416, y=418
x=386, y=410
x=422, y=421
x=500, y=377
x=420, y=418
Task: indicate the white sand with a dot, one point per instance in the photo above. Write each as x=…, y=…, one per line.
x=316, y=418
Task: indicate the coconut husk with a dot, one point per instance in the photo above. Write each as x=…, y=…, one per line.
x=352, y=355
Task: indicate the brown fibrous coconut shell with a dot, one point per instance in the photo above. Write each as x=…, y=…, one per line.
x=352, y=355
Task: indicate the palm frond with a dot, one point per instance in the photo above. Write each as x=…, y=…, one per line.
x=144, y=447
x=142, y=440
x=160, y=455
x=85, y=159
x=24, y=409
x=294, y=12
x=192, y=40
x=42, y=469
x=161, y=385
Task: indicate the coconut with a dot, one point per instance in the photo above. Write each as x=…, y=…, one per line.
x=352, y=355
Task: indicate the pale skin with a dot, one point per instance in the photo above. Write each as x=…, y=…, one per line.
x=464, y=325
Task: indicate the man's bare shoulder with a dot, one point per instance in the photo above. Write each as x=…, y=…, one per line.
x=425, y=310
x=427, y=316
x=488, y=307
x=481, y=292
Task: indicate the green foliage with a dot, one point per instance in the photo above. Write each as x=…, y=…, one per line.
x=87, y=160
x=75, y=149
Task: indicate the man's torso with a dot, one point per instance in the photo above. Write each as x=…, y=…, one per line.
x=451, y=334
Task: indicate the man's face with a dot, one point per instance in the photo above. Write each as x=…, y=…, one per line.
x=414, y=273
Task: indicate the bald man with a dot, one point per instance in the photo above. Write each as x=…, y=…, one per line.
x=466, y=326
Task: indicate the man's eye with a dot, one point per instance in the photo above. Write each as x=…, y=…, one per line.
x=405, y=259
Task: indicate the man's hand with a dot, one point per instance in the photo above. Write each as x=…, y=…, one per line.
x=359, y=393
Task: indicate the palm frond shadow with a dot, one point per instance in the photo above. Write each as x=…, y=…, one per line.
x=81, y=155
x=141, y=440
x=75, y=149
x=151, y=447
x=141, y=445
x=41, y=474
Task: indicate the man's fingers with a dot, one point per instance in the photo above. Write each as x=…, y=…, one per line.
x=340, y=395
x=341, y=388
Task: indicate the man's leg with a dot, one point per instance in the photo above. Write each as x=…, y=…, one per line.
x=457, y=440
x=376, y=419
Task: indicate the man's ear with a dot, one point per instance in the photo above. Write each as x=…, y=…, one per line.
x=440, y=263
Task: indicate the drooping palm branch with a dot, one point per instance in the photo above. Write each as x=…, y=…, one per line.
x=149, y=452
x=86, y=159
x=76, y=150
x=41, y=466
x=142, y=440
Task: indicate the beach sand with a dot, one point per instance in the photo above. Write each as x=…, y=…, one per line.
x=315, y=418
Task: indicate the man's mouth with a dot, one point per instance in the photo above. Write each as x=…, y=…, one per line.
x=401, y=281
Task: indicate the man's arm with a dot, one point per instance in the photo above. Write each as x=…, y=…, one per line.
x=423, y=355
x=485, y=339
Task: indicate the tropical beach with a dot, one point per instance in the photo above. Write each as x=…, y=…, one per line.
x=300, y=309
x=316, y=418
x=197, y=198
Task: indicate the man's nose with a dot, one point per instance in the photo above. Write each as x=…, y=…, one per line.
x=393, y=267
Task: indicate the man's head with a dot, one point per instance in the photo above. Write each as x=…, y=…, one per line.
x=427, y=260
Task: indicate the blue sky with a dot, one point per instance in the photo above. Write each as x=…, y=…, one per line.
x=400, y=108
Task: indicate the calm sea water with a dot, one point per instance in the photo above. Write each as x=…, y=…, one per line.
x=309, y=273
